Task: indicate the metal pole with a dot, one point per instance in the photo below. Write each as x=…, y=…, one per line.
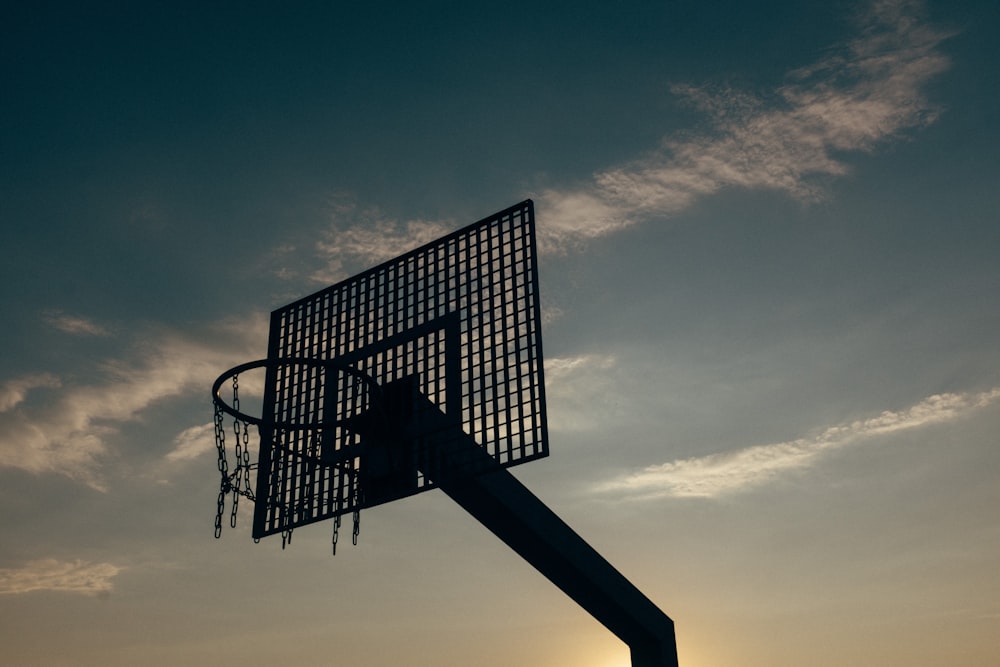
x=515, y=515
x=471, y=477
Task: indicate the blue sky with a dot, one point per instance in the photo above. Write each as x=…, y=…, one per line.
x=769, y=283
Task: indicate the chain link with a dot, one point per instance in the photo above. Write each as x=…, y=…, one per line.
x=239, y=451
x=223, y=465
x=237, y=482
x=356, y=492
x=247, y=491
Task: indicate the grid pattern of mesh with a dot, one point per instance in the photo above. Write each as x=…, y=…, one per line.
x=460, y=316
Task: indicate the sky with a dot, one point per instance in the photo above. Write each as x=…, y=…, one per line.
x=769, y=278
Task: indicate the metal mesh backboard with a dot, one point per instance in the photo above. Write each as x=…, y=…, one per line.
x=459, y=317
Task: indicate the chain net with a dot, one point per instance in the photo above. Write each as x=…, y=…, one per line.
x=237, y=482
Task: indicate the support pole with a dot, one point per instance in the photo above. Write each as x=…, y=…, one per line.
x=515, y=515
x=472, y=478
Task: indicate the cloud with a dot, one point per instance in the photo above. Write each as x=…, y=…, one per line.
x=868, y=91
x=719, y=474
x=578, y=390
x=193, y=442
x=13, y=392
x=68, y=434
x=63, y=576
x=559, y=370
x=791, y=139
x=77, y=326
x=358, y=238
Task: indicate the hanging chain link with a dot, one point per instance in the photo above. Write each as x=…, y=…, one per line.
x=220, y=445
x=352, y=477
x=235, y=483
x=239, y=451
x=356, y=501
x=336, y=533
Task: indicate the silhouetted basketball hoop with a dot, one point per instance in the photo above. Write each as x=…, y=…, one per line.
x=328, y=410
x=422, y=372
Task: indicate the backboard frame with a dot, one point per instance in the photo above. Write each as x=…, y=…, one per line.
x=461, y=314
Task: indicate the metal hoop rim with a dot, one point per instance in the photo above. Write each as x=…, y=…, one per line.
x=326, y=364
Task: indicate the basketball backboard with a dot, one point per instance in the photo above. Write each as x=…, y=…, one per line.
x=459, y=317
x=423, y=372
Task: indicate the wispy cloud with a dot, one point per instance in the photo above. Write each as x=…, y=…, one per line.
x=868, y=91
x=13, y=392
x=559, y=370
x=367, y=236
x=578, y=388
x=731, y=472
x=75, y=325
x=791, y=139
x=193, y=442
x=63, y=576
x=69, y=432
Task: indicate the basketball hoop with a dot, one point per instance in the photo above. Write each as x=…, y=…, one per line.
x=424, y=372
x=316, y=407
x=362, y=380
